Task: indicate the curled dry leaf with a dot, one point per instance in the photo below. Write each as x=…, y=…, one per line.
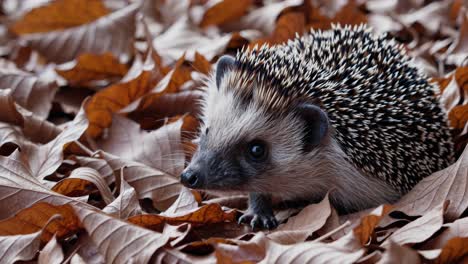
x=28, y=90
x=52, y=253
x=396, y=253
x=448, y=184
x=111, y=33
x=304, y=224
x=288, y=26
x=207, y=214
x=223, y=11
x=185, y=203
x=140, y=79
x=92, y=70
x=15, y=248
x=40, y=217
x=159, y=149
x=81, y=182
x=365, y=230
x=59, y=15
x=420, y=229
x=148, y=182
x=126, y=204
x=107, y=232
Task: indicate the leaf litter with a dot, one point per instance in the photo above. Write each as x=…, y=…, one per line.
x=96, y=180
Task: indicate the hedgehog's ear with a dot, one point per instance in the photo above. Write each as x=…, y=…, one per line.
x=225, y=63
x=316, y=122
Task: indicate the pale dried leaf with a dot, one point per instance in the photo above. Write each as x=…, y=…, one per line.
x=396, y=253
x=448, y=184
x=52, y=253
x=97, y=179
x=185, y=203
x=126, y=204
x=19, y=247
x=28, y=90
x=301, y=226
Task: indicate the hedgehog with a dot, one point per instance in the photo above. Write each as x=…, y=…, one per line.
x=342, y=112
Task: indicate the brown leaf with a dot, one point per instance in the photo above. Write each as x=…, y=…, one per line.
x=288, y=26
x=349, y=14
x=207, y=214
x=448, y=184
x=301, y=226
x=365, y=230
x=454, y=251
x=459, y=116
x=91, y=70
x=52, y=253
x=36, y=218
x=201, y=64
x=81, y=182
x=138, y=81
x=30, y=91
x=395, y=253
x=223, y=11
x=112, y=33
x=59, y=15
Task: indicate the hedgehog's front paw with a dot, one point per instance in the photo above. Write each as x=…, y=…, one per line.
x=259, y=220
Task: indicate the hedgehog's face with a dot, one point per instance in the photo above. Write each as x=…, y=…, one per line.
x=243, y=147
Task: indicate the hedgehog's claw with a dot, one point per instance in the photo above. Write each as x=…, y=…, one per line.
x=261, y=221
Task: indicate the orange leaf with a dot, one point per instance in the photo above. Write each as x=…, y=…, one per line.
x=59, y=15
x=74, y=187
x=225, y=11
x=91, y=67
x=207, y=214
x=201, y=64
x=107, y=101
x=458, y=116
x=454, y=251
x=366, y=227
x=35, y=218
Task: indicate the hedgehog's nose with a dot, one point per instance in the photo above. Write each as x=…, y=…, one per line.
x=190, y=179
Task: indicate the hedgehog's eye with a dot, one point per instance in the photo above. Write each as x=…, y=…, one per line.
x=257, y=150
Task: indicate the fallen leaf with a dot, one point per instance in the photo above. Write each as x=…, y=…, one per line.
x=52, y=253
x=91, y=70
x=28, y=90
x=111, y=33
x=19, y=247
x=59, y=15
x=186, y=202
x=126, y=204
x=304, y=224
x=222, y=11
x=420, y=229
x=81, y=181
x=139, y=80
x=365, y=230
x=207, y=214
x=107, y=234
x=395, y=253
x=454, y=250
x=40, y=217
x=448, y=184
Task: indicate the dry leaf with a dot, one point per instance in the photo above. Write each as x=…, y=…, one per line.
x=112, y=33
x=222, y=11
x=92, y=70
x=107, y=232
x=126, y=204
x=52, y=253
x=448, y=184
x=207, y=214
x=304, y=224
x=19, y=247
x=185, y=203
x=365, y=230
x=59, y=15
x=395, y=253
x=30, y=91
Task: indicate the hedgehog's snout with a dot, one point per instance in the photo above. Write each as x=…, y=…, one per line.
x=190, y=179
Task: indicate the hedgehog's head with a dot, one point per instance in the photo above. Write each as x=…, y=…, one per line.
x=252, y=138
